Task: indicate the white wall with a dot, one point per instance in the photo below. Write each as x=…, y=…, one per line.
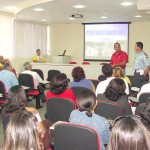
x=71, y=38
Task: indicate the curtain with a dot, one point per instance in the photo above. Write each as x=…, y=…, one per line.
x=28, y=37
x=6, y=35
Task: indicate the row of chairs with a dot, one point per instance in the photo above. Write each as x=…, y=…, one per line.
x=85, y=63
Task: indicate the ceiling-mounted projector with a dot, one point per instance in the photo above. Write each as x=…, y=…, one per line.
x=76, y=15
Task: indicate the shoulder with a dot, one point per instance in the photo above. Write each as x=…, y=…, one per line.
x=145, y=55
x=75, y=112
x=100, y=118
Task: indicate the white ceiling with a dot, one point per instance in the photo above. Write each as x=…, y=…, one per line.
x=59, y=11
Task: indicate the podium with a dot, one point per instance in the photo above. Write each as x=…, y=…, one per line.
x=61, y=59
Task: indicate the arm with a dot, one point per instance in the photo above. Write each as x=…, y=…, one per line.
x=146, y=70
x=119, y=64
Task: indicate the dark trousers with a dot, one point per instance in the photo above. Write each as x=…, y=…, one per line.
x=140, y=80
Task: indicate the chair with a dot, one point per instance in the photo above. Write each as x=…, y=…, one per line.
x=72, y=62
x=75, y=137
x=39, y=72
x=95, y=82
x=108, y=109
x=85, y=63
x=59, y=109
x=139, y=109
x=77, y=89
x=3, y=93
x=27, y=80
x=51, y=74
x=144, y=98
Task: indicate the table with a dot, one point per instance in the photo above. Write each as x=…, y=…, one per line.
x=91, y=71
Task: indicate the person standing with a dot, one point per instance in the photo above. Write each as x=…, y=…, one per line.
x=38, y=57
x=119, y=58
x=141, y=65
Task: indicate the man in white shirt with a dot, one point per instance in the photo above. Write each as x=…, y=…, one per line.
x=144, y=89
x=108, y=72
x=37, y=79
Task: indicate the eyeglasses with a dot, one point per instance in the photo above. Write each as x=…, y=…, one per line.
x=123, y=117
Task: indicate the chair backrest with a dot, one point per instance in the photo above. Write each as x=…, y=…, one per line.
x=72, y=62
x=39, y=72
x=26, y=80
x=139, y=109
x=75, y=137
x=59, y=109
x=52, y=73
x=95, y=82
x=3, y=90
x=133, y=80
x=144, y=98
x=108, y=109
x=77, y=89
x=85, y=63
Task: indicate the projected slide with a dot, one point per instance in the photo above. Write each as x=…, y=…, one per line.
x=100, y=39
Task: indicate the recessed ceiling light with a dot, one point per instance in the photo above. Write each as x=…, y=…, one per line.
x=38, y=9
x=126, y=3
x=10, y=7
x=71, y=18
x=79, y=6
x=44, y=20
x=104, y=17
x=138, y=16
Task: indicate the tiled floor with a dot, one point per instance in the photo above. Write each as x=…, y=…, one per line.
x=31, y=103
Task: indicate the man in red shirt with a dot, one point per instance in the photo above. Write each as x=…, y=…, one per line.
x=119, y=58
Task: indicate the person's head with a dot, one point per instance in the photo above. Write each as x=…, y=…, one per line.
x=59, y=83
x=27, y=66
x=118, y=73
x=107, y=70
x=7, y=66
x=1, y=59
x=16, y=99
x=86, y=101
x=101, y=78
x=38, y=52
x=115, y=89
x=128, y=133
x=138, y=47
x=78, y=74
x=6, y=60
x=22, y=132
x=145, y=116
x=117, y=47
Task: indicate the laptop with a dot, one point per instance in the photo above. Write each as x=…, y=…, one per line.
x=63, y=53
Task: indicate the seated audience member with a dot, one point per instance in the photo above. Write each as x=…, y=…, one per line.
x=22, y=133
x=38, y=57
x=8, y=61
x=78, y=75
x=107, y=71
x=128, y=133
x=58, y=88
x=1, y=62
x=145, y=116
x=37, y=79
x=144, y=89
x=16, y=100
x=84, y=115
x=7, y=77
x=116, y=92
x=118, y=73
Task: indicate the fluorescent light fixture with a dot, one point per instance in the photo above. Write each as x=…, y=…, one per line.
x=104, y=17
x=38, y=9
x=71, y=18
x=44, y=20
x=10, y=7
x=79, y=6
x=138, y=16
x=126, y=3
